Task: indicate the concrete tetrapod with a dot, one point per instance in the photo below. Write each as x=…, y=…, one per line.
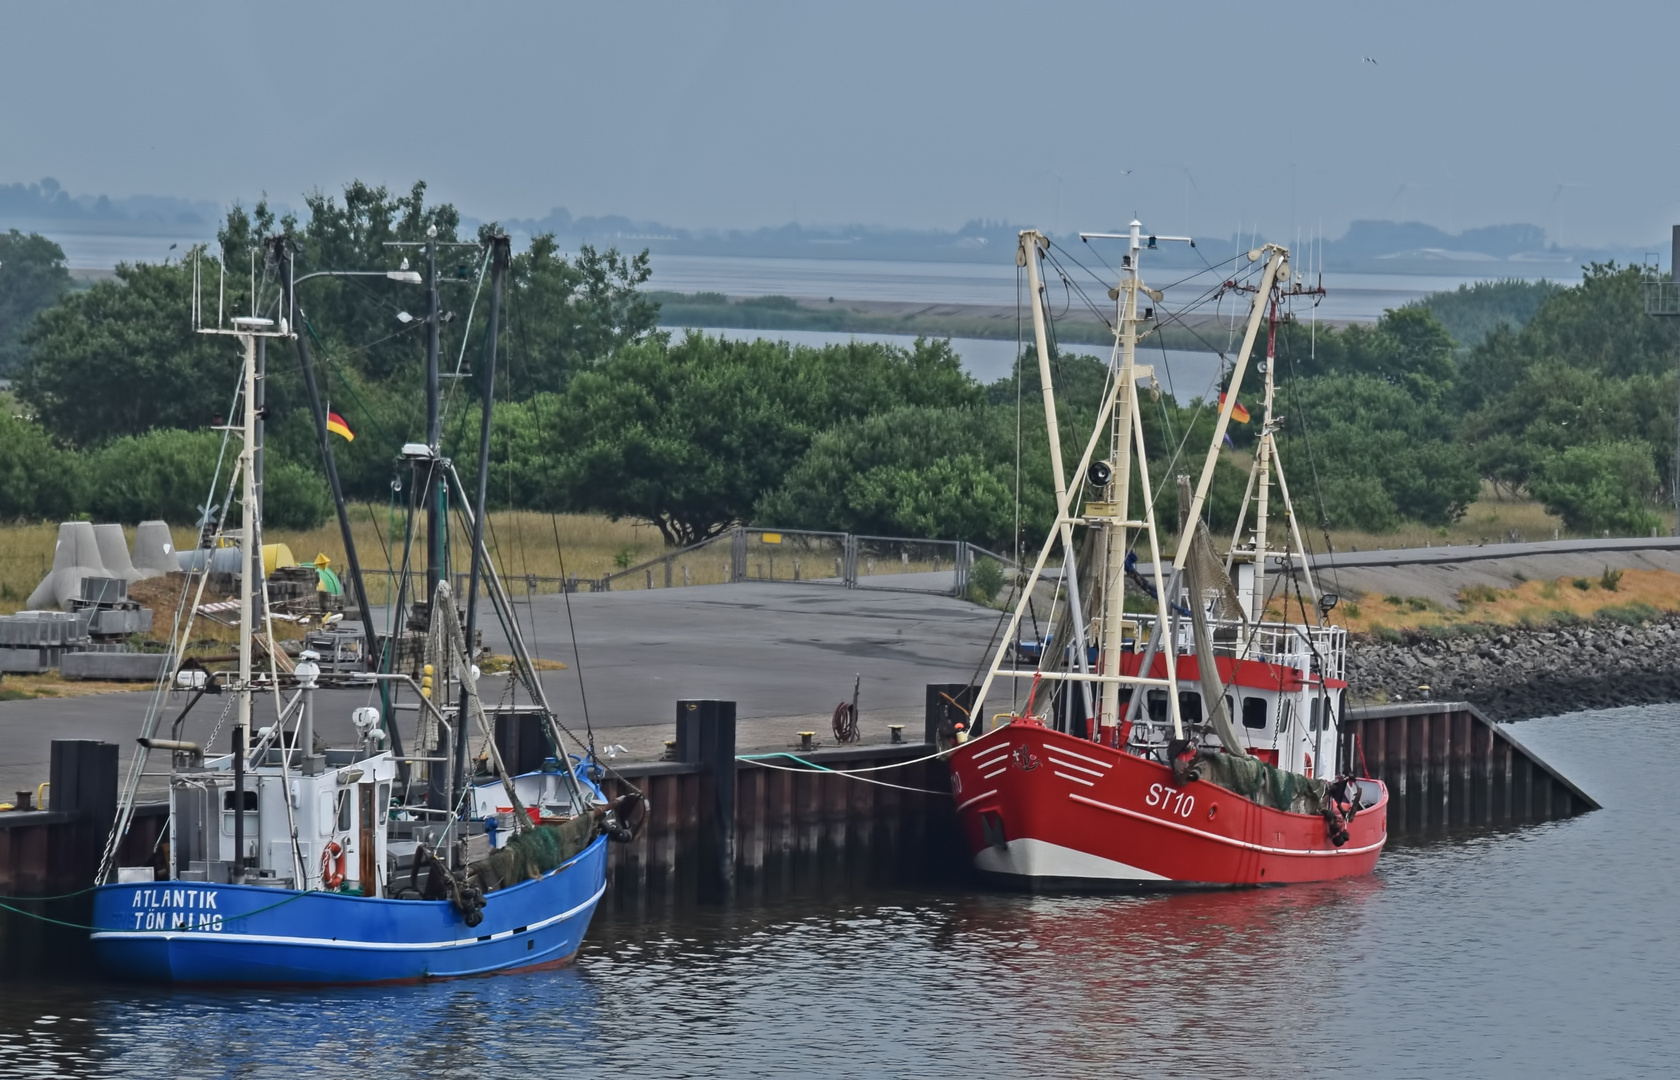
x=75, y=556
x=113, y=552
x=154, y=550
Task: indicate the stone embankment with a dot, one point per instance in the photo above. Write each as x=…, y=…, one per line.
x=1517, y=673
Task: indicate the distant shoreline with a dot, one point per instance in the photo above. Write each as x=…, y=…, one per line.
x=714, y=311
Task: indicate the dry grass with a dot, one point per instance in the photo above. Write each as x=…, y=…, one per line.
x=521, y=544
x=1489, y=520
x=1532, y=602
x=49, y=685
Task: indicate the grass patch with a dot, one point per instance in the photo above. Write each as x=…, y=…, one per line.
x=1610, y=580
x=1634, y=614
x=1529, y=603
x=1582, y=583
x=521, y=543
x=1478, y=594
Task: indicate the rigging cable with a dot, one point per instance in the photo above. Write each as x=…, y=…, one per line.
x=577, y=658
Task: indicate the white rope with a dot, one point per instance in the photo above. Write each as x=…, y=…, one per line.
x=818, y=770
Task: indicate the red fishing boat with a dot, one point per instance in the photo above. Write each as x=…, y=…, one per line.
x=1199, y=745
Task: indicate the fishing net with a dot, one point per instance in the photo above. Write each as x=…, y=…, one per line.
x=1262, y=783
x=531, y=854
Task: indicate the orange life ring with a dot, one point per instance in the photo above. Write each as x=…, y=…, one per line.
x=332, y=865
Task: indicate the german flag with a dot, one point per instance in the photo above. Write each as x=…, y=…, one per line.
x=336, y=425
x=1238, y=413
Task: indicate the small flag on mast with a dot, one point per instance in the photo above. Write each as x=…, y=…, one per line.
x=1238, y=413
x=336, y=425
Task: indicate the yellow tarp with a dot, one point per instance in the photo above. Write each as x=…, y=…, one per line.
x=276, y=556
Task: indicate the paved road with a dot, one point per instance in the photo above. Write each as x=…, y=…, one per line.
x=1439, y=573
x=775, y=649
x=778, y=650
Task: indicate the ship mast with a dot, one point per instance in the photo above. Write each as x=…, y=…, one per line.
x=1266, y=460
x=251, y=330
x=1120, y=419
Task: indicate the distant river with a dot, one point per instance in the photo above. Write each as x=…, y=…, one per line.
x=1188, y=374
x=1351, y=297
x=1550, y=950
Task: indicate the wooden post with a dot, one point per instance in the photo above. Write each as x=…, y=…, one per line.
x=707, y=729
x=82, y=778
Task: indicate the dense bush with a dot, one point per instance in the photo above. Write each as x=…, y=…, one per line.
x=38, y=480
x=1601, y=486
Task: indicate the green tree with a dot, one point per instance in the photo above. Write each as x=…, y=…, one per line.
x=38, y=480
x=1408, y=347
x=1471, y=312
x=1554, y=405
x=121, y=358
x=359, y=314
x=32, y=278
x=1600, y=325
x=689, y=435
x=912, y=471
x=563, y=317
x=161, y=474
x=1380, y=454
x=167, y=473
x=1603, y=486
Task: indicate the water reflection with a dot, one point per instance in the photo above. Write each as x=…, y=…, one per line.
x=1548, y=950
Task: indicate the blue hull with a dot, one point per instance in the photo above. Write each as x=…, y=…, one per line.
x=173, y=931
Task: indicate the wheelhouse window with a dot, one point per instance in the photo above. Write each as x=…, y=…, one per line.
x=1190, y=706
x=1254, y=713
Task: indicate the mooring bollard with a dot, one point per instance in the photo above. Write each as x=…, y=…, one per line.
x=706, y=737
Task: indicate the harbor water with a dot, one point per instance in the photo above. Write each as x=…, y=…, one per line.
x=1546, y=950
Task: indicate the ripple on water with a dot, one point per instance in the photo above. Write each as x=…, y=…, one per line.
x=1545, y=951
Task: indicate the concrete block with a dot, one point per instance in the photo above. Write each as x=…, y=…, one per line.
x=24, y=661
x=104, y=590
x=115, y=621
x=138, y=667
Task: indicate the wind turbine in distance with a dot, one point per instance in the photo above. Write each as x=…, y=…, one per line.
x=1555, y=208
x=1189, y=183
x=1400, y=195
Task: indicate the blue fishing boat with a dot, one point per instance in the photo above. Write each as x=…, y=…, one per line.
x=194, y=932
x=291, y=861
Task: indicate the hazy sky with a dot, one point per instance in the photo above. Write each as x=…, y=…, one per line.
x=901, y=114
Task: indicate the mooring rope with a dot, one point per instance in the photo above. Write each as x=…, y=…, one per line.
x=811, y=766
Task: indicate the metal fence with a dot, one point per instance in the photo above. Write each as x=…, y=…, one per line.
x=843, y=560
x=751, y=554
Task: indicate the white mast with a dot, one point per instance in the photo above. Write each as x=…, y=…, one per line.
x=1263, y=488
x=247, y=532
x=1118, y=407
x=1119, y=490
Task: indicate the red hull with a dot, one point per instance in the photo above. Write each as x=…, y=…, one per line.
x=1047, y=809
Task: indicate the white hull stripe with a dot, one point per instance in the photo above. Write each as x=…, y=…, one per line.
x=1225, y=839
x=1082, y=757
x=965, y=805
x=990, y=761
x=339, y=943
x=1071, y=765
x=995, y=772
x=1075, y=779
